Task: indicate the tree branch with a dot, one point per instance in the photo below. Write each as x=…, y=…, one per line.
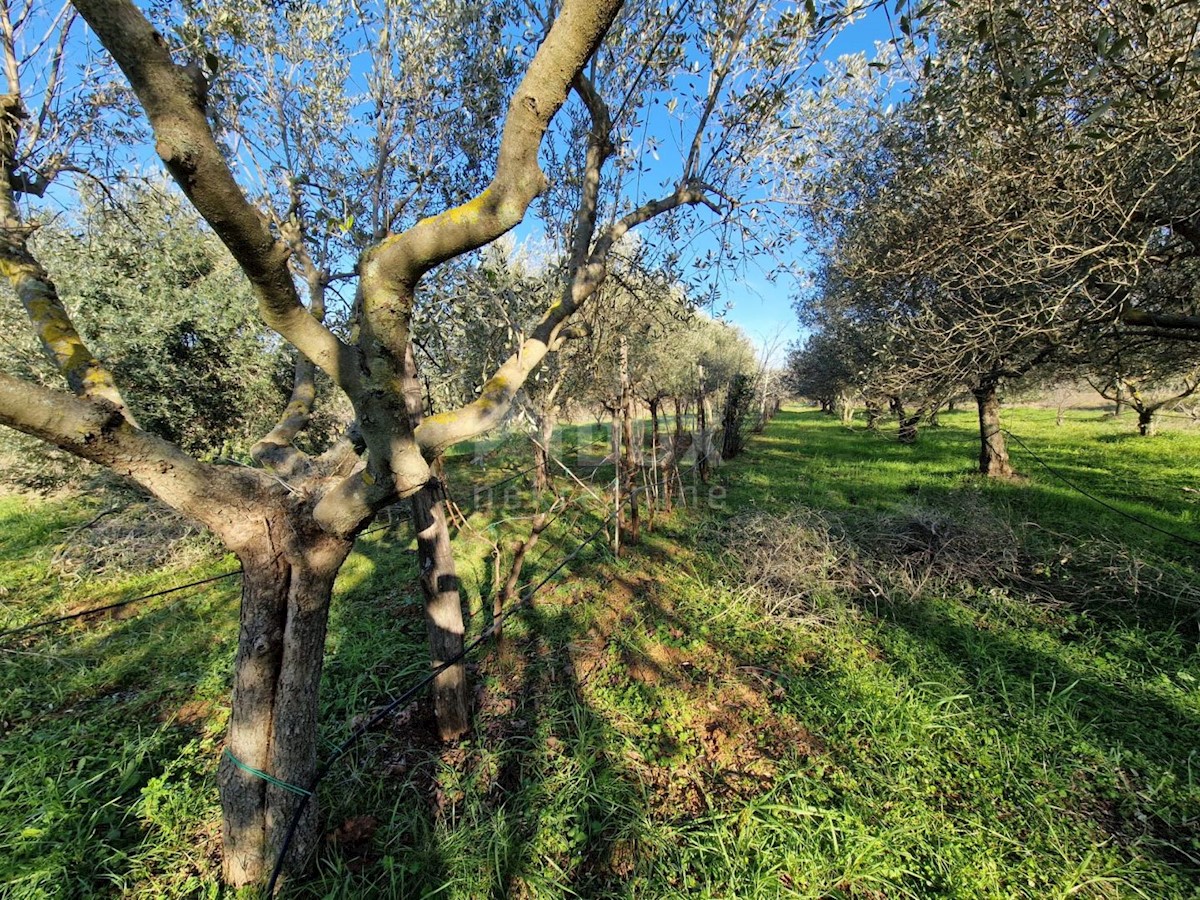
x=1159, y=320
x=60, y=340
x=445, y=429
x=599, y=149
x=277, y=449
x=390, y=271
x=1167, y=335
x=219, y=497
x=174, y=99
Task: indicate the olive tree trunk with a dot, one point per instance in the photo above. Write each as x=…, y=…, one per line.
x=629, y=456
x=1146, y=422
x=287, y=583
x=658, y=489
x=443, y=610
x=701, y=437
x=439, y=583
x=541, y=449
x=993, y=454
x=874, y=414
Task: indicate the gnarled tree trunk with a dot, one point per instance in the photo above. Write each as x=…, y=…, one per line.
x=541, y=450
x=288, y=572
x=908, y=422
x=843, y=407
x=874, y=413
x=1146, y=422
x=629, y=459
x=439, y=583
x=443, y=610
x=993, y=454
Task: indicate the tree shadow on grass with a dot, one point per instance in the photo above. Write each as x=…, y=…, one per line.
x=558, y=786
x=104, y=713
x=549, y=796
x=1151, y=738
x=488, y=816
x=376, y=808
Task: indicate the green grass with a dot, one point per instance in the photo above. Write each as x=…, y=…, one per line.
x=647, y=730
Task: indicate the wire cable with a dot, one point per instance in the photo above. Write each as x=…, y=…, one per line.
x=98, y=609
x=46, y=623
x=1095, y=499
x=357, y=734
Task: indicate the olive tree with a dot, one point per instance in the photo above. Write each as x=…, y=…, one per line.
x=1147, y=373
x=293, y=526
x=204, y=374
x=292, y=519
x=1038, y=177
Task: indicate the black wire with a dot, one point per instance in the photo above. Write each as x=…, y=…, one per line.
x=512, y=477
x=87, y=612
x=1095, y=499
x=45, y=623
x=357, y=734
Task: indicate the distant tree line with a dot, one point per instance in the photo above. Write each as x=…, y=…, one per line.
x=1008, y=194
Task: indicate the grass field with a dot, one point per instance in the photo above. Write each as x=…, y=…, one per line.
x=862, y=673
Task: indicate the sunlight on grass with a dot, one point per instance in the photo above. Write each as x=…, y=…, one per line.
x=1023, y=727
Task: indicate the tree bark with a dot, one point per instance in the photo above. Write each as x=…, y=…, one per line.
x=874, y=412
x=908, y=423
x=627, y=450
x=288, y=573
x=655, y=459
x=701, y=438
x=844, y=409
x=443, y=610
x=439, y=583
x=1146, y=422
x=541, y=450
x=993, y=454
x=618, y=483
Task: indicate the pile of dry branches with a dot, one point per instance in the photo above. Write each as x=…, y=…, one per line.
x=130, y=537
x=791, y=565
x=798, y=565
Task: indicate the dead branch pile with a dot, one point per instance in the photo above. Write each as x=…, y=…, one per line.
x=789, y=565
x=922, y=547
x=131, y=537
x=1103, y=570
x=793, y=565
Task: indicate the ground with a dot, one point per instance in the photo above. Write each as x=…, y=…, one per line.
x=864, y=672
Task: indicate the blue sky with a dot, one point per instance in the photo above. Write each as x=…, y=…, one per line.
x=762, y=308
x=749, y=298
